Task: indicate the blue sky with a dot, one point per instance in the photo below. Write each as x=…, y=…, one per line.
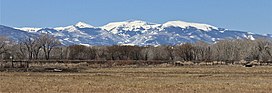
x=246, y=15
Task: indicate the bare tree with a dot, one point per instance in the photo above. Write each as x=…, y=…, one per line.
x=17, y=52
x=202, y=51
x=59, y=53
x=160, y=53
x=185, y=51
x=145, y=52
x=101, y=52
x=170, y=52
x=263, y=47
x=77, y=52
x=29, y=44
x=32, y=45
x=3, y=44
x=48, y=42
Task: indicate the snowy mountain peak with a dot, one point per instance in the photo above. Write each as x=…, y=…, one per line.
x=83, y=25
x=68, y=28
x=130, y=25
x=75, y=27
x=183, y=24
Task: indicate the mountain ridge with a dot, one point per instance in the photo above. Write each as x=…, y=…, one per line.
x=136, y=32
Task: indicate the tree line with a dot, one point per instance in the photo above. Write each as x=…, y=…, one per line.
x=46, y=47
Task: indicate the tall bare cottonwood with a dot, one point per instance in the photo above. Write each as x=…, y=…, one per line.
x=48, y=42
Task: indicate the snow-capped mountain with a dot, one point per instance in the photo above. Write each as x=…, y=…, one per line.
x=133, y=32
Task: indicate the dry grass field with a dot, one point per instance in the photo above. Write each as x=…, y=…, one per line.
x=200, y=79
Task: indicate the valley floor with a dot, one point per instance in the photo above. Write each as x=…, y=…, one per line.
x=206, y=79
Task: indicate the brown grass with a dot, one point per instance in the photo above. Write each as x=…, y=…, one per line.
x=204, y=79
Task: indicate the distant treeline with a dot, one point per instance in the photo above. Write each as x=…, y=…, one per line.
x=46, y=47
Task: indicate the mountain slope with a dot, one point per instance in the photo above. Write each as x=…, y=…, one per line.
x=14, y=34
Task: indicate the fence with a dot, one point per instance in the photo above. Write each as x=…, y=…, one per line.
x=110, y=63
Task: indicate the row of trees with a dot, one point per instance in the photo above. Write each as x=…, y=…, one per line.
x=29, y=48
x=47, y=47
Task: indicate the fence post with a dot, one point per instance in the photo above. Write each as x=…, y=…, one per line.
x=11, y=58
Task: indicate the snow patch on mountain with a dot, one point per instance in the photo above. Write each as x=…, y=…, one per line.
x=183, y=24
x=67, y=28
x=75, y=27
x=251, y=37
x=29, y=29
x=83, y=25
x=132, y=25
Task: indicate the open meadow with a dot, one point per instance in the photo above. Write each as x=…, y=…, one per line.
x=204, y=79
